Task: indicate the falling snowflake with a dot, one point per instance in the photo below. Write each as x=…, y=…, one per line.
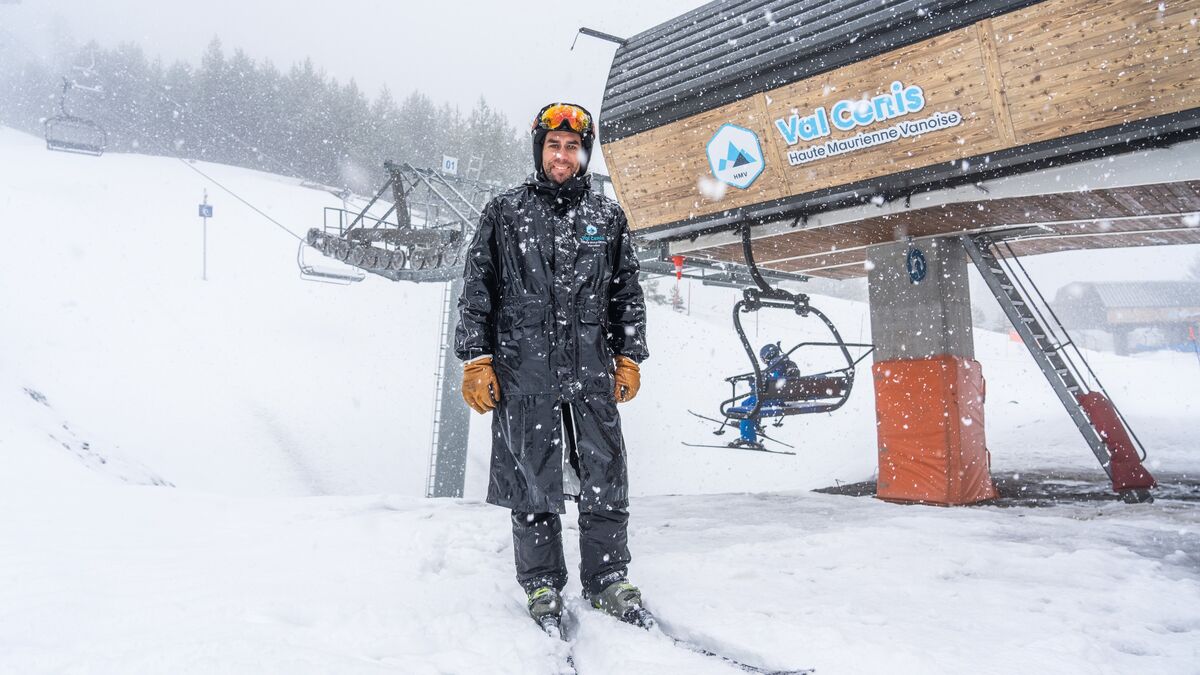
x=711, y=188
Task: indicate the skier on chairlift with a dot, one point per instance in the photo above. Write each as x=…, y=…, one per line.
x=778, y=368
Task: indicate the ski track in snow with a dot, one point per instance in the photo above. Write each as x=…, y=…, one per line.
x=255, y=393
x=132, y=580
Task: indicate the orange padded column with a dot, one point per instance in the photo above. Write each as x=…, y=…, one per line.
x=930, y=422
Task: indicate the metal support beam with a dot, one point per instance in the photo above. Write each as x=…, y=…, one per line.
x=451, y=417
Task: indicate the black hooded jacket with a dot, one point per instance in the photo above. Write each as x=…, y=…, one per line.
x=551, y=291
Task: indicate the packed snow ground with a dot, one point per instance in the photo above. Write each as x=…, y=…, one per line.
x=225, y=476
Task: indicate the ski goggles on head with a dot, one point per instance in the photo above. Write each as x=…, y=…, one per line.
x=553, y=116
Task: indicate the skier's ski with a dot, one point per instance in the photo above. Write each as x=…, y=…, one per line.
x=727, y=423
x=554, y=628
x=729, y=447
x=643, y=618
x=746, y=667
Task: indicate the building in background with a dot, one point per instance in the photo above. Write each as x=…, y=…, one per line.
x=1125, y=317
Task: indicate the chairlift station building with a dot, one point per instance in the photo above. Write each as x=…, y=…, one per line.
x=902, y=140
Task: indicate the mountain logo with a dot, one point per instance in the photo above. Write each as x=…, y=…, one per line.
x=735, y=156
x=593, y=236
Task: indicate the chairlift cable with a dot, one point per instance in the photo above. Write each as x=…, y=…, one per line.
x=238, y=197
x=214, y=181
x=167, y=152
x=279, y=164
x=22, y=44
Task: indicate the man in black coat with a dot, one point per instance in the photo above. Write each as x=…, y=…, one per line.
x=552, y=325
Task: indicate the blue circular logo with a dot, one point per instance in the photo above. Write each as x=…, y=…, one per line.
x=591, y=229
x=916, y=265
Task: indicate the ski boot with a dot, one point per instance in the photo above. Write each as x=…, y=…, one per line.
x=743, y=444
x=624, y=601
x=545, y=606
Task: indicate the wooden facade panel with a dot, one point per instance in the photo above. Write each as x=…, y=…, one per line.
x=949, y=69
x=1071, y=66
x=1051, y=70
x=660, y=169
x=1069, y=31
x=1007, y=136
x=1076, y=220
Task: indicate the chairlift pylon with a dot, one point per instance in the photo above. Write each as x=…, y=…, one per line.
x=755, y=397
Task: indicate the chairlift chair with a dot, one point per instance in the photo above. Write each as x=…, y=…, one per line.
x=821, y=392
x=817, y=393
x=70, y=133
x=344, y=275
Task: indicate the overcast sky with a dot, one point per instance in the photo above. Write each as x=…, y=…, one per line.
x=514, y=53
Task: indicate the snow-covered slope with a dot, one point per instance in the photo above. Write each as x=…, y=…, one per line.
x=252, y=382
x=224, y=476
x=255, y=382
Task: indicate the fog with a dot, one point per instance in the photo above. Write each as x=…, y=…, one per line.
x=515, y=54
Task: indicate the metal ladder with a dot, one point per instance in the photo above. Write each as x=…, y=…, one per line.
x=438, y=375
x=1114, y=443
x=474, y=167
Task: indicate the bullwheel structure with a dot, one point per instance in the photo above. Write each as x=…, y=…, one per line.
x=418, y=236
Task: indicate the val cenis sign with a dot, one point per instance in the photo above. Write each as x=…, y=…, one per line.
x=847, y=114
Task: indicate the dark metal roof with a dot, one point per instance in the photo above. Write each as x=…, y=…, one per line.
x=730, y=49
x=1138, y=295
x=1150, y=294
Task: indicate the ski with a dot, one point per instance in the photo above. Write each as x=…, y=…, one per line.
x=728, y=447
x=727, y=423
x=740, y=665
x=554, y=628
x=644, y=619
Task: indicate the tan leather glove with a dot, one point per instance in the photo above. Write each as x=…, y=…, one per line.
x=480, y=389
x=628, y=379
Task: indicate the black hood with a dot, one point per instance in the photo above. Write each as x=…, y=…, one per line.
x=565, y=195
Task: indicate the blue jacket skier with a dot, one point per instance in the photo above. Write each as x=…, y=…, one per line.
x=779, y=370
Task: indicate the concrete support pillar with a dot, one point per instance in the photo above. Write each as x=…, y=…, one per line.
x=928, y=387
x=924, y=312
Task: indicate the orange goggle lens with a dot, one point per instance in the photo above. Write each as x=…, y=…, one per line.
x=575, y=117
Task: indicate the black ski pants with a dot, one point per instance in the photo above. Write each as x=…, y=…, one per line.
x=603, y=549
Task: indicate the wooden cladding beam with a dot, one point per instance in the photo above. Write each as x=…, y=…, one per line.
x=995, y=79
x=1144, y=215
x=1049, y=71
